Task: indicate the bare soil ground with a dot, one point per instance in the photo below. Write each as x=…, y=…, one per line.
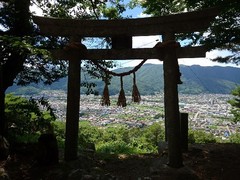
x=202, y=161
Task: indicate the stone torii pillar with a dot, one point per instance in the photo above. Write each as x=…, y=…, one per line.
x=73, y=99
x=171, y=103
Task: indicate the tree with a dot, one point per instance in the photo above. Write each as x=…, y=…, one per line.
x=235, y=102
x=15, y=18
x=24, y=57
x=224, y=33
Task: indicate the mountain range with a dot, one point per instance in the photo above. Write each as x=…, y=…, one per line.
x=149, y=79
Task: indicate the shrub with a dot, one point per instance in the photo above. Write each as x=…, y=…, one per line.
x=59, y=131
x=199, y=136
x=115, y=147
x=115, y=139
x=27, y=118
x=235, y=138
x=154, y=134
x=88, y=134
x=116, y=134
x=131, y=140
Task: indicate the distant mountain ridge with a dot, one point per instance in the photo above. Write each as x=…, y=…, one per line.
x=196, y=79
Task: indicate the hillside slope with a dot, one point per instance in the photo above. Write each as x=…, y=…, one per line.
x=196, y=79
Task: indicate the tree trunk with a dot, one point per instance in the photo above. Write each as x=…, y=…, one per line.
x=2, y=105
x=22, y=25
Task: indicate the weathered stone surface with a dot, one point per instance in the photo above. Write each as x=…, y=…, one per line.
x=162, y=147
x=47, y=150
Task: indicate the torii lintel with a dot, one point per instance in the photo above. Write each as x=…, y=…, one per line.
x=177, y=23
x=118, y=54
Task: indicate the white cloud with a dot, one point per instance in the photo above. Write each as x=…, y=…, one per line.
x=142, y=15
x=36, y=10
x=145, y=41
x=199, y=61
x=206, y=61
x=215, y=53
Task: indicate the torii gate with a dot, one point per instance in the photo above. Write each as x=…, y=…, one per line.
x=127, y=28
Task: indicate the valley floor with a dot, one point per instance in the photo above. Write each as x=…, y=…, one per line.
x=208, y=112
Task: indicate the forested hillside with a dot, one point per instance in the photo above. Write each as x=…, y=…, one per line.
x=196, y=79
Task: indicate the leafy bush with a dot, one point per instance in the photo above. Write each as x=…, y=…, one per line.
x=88, y=134
x=115, y=134
x=154, y=134
x=120, y=139
x=116, y=140
x=235, y=138
x=146, y=139
x=199, y=136
x=115, y=147
x=59, y=130
x=27, y=118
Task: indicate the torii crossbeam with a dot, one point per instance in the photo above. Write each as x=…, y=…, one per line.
x=165, y=25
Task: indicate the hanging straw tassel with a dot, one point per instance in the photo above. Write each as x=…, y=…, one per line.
x=105, y=97
x=135, y=93
x=121, y=97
